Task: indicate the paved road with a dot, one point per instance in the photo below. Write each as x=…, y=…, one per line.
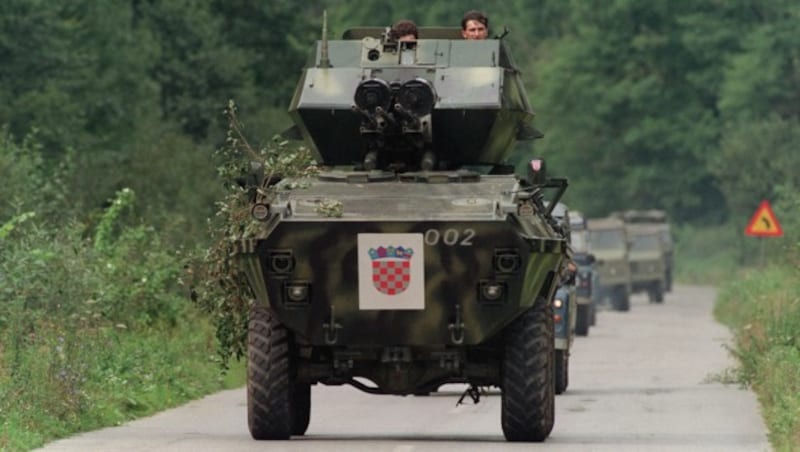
x=642, y=380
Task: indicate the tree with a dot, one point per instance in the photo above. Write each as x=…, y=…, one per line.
x=615, y=92
x=759, y=102
x=75, y=71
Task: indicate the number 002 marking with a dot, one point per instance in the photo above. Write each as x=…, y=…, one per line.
x=450, y=237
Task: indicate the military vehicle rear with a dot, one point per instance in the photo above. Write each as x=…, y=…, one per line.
x=565, y=308
x=657, y=220
x=586, y=277
x=648, y=261
x=608, y=242
x=416, y=258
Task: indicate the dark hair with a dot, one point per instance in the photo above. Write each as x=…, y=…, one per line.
x=474, y=15
x=403, y=28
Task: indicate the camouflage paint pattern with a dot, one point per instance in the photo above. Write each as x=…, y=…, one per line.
x=463, y=225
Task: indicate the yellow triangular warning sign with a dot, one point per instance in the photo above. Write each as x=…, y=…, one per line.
x=764, y=223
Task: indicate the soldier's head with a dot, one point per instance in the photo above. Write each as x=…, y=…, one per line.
x=405, y=30
x=475, y=25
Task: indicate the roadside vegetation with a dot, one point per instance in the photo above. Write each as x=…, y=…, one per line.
x=111, y=112
x=95, y=326
x=762, y=307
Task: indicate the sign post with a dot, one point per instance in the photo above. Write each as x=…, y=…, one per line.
x=764, y=223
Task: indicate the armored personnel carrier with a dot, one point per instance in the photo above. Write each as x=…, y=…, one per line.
x=439, y=265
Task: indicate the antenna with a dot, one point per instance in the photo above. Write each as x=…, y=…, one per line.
x=324, y=61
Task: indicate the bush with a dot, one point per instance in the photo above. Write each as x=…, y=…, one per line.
x=94, y=331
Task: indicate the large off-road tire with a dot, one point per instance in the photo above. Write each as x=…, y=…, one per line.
x=528, y=398
x=302, y=408
x=561, y=367
x=656, y=293
x=621, y=299
x=583, y=319
x=270, y=383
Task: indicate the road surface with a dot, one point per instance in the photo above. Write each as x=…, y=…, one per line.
x=648, y=379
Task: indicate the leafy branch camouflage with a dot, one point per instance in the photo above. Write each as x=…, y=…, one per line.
x=247, y=174
x=330, y=208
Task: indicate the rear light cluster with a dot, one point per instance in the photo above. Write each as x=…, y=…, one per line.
x=296, y=292
x=492, y=291
x=559, y=313
x=281, y=262
x=506, y=261
x=281, y=265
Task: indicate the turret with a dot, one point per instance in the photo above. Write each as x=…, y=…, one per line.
x=441, y=102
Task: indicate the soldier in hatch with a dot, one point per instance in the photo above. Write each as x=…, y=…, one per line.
x=475, y=25
x=404, y=31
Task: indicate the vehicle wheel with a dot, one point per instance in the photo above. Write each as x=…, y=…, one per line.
x=302, y=408
x=528, y=389
x=656, y=293
x=621, y=299
x=561, y=367
x=582, y=320
x=270, y=386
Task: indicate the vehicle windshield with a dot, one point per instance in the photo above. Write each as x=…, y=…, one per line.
x=580, y=241
x=645, y=242
x=608, y=239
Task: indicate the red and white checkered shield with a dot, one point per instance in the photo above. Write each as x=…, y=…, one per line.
x=391, y=276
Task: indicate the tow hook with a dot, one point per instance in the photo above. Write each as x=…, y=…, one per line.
x=457, y=328
x=331, y=329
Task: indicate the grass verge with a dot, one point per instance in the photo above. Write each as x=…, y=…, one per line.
x=763, y=310
x=68, y=383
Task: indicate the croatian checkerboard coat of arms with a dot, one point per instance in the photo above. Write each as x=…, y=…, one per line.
x=391, y=268
x=391, y=271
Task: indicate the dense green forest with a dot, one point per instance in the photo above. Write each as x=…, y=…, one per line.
x=111, y=112
x=688, y=106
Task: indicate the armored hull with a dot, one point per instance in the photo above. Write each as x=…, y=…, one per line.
x=466, y=235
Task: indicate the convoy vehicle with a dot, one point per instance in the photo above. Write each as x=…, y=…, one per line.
x=657, y=220
x=608, y=242
x=416, y=257
x=647, y=260
x=564, y=320
x=565, y=307
x=586, y=277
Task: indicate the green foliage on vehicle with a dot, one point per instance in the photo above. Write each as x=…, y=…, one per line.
x=245, y=171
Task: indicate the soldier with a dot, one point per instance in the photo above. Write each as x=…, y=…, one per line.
x=405, y=30
x=475, y=25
